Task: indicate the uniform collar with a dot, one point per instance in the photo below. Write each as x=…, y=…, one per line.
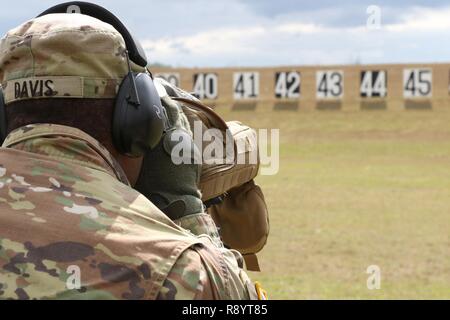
x=67, y=144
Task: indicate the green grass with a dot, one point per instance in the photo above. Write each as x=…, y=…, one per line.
x=357, y=189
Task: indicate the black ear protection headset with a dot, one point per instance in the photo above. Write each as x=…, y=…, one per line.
x=139, y=118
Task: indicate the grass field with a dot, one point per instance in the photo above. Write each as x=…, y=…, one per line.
x=357, y=189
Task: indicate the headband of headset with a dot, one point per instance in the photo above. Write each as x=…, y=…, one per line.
x=135, y=50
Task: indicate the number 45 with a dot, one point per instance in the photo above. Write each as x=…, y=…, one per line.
x=417, y=83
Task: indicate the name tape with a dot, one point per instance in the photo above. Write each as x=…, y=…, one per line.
x=43, y=87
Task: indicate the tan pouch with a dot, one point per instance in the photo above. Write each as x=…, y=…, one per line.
x=218, y=179
x=243, y=221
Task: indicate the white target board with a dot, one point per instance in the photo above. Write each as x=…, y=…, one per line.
x=373, y=84
x=206, y=85
x=172, y=78
x=246, y=85
x=417, y=83
x=287, y=85
x=329, y=84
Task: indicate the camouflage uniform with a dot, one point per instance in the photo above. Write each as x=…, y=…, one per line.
x=66, y=205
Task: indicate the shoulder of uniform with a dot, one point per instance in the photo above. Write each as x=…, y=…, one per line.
x=35, y=131
x=187, y=279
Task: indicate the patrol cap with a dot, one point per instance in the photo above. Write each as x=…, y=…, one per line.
x=63, y=56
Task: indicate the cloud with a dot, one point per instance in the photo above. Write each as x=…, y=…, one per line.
x=267, y=32
x=422, y=19
x=412, y=37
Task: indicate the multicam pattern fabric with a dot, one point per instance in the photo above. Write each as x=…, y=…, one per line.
x=36, y=57
x=201, y=224
x=64, y=208
x=37, y=137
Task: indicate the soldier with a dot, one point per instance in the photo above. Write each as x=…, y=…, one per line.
x=71, y=226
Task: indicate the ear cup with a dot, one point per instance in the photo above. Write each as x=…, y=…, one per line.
x=3, y=123
x=137, y=128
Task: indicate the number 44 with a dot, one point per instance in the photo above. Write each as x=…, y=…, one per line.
x=373, y=84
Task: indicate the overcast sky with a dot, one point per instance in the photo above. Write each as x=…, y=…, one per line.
x=273, y=32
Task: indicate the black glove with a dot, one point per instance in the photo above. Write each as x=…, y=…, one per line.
x=172, y=187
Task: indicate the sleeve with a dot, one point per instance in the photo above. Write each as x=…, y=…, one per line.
x=210, y=271
x=188, y=280
x=202, y=274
